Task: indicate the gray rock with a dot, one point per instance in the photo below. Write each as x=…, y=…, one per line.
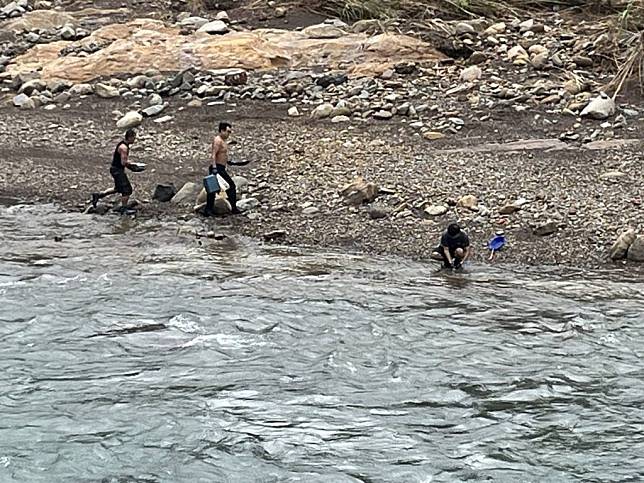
x=247, y=204
x=193, y=22
x=619, y=250
x=382, y=115
x=164, y=192
x=32, y=37
x=636, y=250
x=241, y=184
x=81, y=90
x=153, y=110
x=23, y=101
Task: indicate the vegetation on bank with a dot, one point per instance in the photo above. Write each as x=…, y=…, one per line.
x=623, y=20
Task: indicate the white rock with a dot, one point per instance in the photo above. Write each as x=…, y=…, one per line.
x=23, y=101
x=293, y=111
x=322, y=111
x=601, y=107
x=163, y=119
x=323, y=31
x=105, y=91
x=223, y=16
x=155, y=100
x=186, y=194
x=339, y=119
x=130, y=119
x=471, y=73
x=436, y=210
x=193, y=22
x=216, y=27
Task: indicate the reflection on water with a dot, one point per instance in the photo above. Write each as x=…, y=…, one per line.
x=143, y=356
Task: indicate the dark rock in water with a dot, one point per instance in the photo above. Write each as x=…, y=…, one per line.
x=335, y=79
x=164, y=192
x=547, y=229
x=274, y=235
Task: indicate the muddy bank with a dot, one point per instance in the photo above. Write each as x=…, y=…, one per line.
x=297, y=168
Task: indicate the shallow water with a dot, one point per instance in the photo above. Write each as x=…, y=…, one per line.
x=132, y=354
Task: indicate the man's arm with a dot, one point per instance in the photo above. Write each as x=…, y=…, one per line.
x=468, y=251
x=124, y=151
x=216, y=146
x=447, y=255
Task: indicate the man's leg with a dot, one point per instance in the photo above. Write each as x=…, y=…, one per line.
x=231, y=192
x=210, y=204
x=101, y=194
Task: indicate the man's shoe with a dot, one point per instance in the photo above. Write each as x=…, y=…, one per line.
x=235, y=211
x=95, y=198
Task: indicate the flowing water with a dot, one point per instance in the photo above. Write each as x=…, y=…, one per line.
x=132, y=354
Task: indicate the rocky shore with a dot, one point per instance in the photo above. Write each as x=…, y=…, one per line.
x=370, y=149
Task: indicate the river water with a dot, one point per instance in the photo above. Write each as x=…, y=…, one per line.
x=130, y=354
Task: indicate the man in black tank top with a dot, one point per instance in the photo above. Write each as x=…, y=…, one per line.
x=120, y=161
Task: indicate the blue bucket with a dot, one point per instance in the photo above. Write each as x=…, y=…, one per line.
x=211, y=184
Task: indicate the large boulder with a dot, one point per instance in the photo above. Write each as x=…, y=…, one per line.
x=636, y=250
x=130, y=119
x=619, y=250
x=164, y=192
x=359, y=191
x=187, y=194
x=601, y=107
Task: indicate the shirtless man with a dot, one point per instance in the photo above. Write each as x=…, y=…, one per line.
x=218, y=166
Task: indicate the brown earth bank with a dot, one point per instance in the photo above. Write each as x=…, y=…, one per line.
x=585, y=197
x=483, y=121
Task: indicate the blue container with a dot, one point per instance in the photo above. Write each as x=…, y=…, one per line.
x=211, y=184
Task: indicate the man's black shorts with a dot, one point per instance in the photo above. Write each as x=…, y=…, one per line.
x=121, y=182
